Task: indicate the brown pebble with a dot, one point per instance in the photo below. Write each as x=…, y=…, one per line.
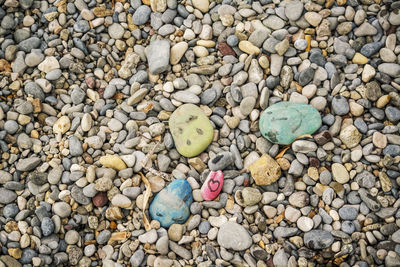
x=100, y=199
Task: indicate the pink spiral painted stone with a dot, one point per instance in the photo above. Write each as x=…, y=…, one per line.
x=213, y=185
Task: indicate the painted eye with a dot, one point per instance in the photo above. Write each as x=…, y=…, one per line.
x=186, y=198
x=178, y=219
x=159, y=214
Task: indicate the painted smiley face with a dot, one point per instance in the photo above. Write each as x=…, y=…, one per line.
x=172, y=204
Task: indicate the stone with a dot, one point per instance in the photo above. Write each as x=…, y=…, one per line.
x=191, y=130
x=28, y=164
x=318, y=239
x=220, y=161
x=113, y=161
x=116, y=31
x=305, y=224
x=158, y=5
x=212, y=185
x=340, y=174
x=293, y=10
x=379, y=140
x=391, y=69
x=265, y=170
x=7, y=196
x=158, y=54
x=175, y=232
x=177, y=52
x=62, y=125
x=283, y=122
x=350, y=136
x=233, y=236
x=49, y=64
x=360, y=59
x=249, y=196
x=202, y=5
x=249, y=48
x=32, y=88
x=299, y=199
x=340, y=105
x=121, y=201
x=313, y=18
x=172, y=204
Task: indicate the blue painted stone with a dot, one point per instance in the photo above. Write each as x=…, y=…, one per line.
x=283, y=122
x=172, y=204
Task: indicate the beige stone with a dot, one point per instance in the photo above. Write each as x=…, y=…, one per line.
x=379, y=140
x=386, y=184
x=313, y=18
x=177, y=52
x=265, y=170
x=368, y=73
x=121, y=201
x=49, y=64
x=62, y=125
x=340, y=174
x=350, y=136
x=202, y=5
x=249, y=48
x=158, y=5
x=382, y=101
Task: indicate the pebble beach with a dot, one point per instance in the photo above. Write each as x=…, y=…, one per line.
x=199, y=133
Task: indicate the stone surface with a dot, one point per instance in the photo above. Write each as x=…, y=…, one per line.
x=158, y=54
x=283, y=122
x=212, y=185
x=265, y=170
x=318, y=239
x=171, y=205
x=191, y=130
x=113, y=161
x=233, y=236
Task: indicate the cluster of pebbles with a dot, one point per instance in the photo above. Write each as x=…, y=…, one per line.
x=86, y=91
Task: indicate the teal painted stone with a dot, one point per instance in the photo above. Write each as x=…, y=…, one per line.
x=283, y=122
x=172, y=204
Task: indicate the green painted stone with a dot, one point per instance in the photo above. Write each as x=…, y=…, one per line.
x=283, y=122
x=191, y=129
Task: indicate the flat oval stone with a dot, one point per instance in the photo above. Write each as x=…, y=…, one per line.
x=191, y=130
x=212, y=185
x=283, y=122
x=172, y=204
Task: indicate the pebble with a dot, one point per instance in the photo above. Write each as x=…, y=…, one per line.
x=233, y=236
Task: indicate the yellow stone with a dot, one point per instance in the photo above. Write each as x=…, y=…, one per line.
x=308, y=39
x=265, y=170
x=113, y=161
x=249, y=48
x=16, y=253
x=382, y=101
x=360, y=59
